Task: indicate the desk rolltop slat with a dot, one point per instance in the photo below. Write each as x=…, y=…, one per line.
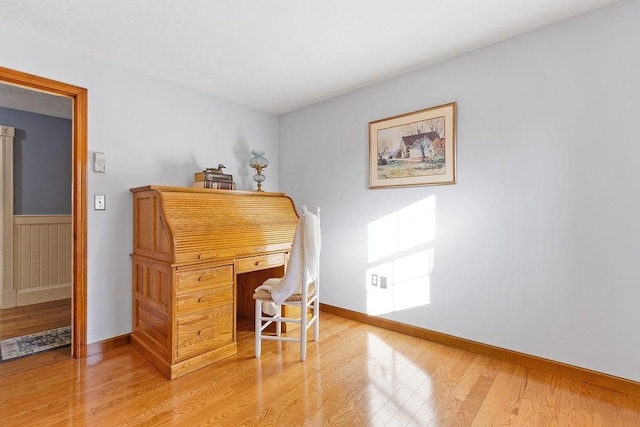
x=191, y=225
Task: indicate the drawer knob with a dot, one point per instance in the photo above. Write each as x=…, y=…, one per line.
x=207, y=275
x=206, y=255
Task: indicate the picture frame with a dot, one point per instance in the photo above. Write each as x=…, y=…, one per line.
x=414, y=149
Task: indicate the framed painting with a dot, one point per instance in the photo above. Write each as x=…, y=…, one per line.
x=414, y=149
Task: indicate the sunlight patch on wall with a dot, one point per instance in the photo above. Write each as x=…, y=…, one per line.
x=402, y=230
x=401, y=258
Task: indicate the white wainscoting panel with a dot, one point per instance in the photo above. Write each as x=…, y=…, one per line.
x=42, y=258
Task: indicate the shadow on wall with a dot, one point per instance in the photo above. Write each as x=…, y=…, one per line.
x=401, y=257
x=242, y=153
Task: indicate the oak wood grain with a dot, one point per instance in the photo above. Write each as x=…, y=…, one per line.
x=32, y=318
x=198, y=255
x=558, y=368
x=356, y=375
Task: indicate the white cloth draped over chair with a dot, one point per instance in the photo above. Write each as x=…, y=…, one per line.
x=299, y=287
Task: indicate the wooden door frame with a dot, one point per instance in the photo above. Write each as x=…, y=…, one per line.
x=78, y=194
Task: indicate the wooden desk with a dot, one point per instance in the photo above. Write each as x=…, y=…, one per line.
x=198, y=254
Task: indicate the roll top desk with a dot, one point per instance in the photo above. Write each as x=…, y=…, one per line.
x=197, y=256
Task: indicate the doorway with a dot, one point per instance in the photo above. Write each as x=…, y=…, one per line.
x=78, y=96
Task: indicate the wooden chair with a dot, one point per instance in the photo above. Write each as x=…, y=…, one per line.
x=300, y=287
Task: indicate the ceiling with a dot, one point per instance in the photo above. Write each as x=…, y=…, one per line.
x=279, y=55
x=33, y=101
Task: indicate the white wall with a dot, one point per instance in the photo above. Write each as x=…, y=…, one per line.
x=152, y=132
x=536, y=248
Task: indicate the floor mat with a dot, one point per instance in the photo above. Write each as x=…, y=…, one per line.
x=25, y=345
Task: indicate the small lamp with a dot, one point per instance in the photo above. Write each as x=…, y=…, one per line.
x=258, y=162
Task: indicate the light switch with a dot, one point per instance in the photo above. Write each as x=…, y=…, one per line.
x=99, y=202
x=99, y=162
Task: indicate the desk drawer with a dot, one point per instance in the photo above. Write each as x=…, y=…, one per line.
x=202, y=299
x=204, y=278
x=204, y=331
x=260, y=262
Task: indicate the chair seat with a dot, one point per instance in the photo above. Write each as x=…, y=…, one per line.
x=264, y=295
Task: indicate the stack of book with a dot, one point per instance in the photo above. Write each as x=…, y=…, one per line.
x=213, y=178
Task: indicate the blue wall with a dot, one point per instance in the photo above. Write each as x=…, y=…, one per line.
x=42, y=162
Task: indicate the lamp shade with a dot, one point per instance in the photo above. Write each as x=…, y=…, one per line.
x=258, y=159
x=258, y=162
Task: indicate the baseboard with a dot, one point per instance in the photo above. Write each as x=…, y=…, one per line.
x=108, y=344
x=9, y=299
x=43, y=294
x=599, y=379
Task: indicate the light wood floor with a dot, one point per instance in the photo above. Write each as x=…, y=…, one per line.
x=357, y=375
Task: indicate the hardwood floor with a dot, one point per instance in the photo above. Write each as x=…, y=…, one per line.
x=357, y=375
x=28, y=319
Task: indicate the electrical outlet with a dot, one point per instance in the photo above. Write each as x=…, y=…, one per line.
x=99, y=202
x=374, y=280
x=383, y=282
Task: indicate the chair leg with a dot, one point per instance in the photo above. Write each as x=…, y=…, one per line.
x=278, y=322
x=258, y=326
x=316, y=326
x=303, y=332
